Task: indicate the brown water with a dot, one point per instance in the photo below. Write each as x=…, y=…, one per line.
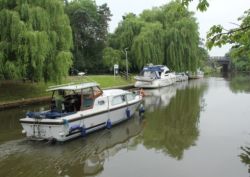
x=195, y=129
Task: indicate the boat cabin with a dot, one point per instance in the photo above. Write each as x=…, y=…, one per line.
x=154, y=71
x=73, y=98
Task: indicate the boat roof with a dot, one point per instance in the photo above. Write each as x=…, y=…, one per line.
x=73, y=86
x=154, y=68
x=112, y=92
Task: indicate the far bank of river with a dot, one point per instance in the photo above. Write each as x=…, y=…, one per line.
x=17, y=93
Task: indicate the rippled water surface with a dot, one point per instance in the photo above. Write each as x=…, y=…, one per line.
x=199, y=128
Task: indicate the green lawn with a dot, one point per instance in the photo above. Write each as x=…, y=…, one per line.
x=17, y=90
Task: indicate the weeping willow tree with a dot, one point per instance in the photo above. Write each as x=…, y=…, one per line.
x=35, y=40
x=164, y=35
x=148, y=45
x=111, y=57
x=124, y=37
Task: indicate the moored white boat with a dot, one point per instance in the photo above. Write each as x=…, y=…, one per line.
x=181, y=77
x=154, y=76
x=196, y=75
x=80, y=109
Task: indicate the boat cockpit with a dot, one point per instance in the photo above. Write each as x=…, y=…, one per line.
x=74, y=100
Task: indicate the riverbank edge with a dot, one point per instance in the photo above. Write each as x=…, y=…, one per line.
x=29, y=101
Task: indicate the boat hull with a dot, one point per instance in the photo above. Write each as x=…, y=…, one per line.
x=198, y=76
x=65, y=129
x=181, y=78
x=155, y=83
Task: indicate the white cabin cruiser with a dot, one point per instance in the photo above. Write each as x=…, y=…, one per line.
x=196, y=75
x=80, y=109
x=154, y=76
x=181, y=77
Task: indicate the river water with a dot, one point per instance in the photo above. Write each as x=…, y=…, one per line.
x=199, y=128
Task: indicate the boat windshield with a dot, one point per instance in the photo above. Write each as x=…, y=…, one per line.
x=65, y=101
x=74, y=100
x=151, y=74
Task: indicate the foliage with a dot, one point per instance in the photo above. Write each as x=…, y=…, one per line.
x=111, y=57
x=148, y=44
x=239, y=62
x=125, y=34
x=238, y=37
x=89, y=24
x=35, y=39
x=165, y=35
x=202, y=5
x=245, y=155
x=240, y=83
x=204, y=56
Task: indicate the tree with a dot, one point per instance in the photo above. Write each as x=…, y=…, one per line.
x=111, y=57
x=35, y=40
x=165, y=35
x=202, y=4
x=238, y=37
x=182, y=38
x=239, y=62
x=89, y=23
x=148, y=45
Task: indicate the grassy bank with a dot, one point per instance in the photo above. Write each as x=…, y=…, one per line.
x=18, y=90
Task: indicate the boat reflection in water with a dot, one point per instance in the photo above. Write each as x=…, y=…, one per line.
x=173, y=125
x=161, y=97
x=81, y=157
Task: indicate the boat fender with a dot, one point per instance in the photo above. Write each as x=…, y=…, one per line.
x=75, y=127
x=141, y=109
x=142, y=93
x=83, y=130
x=109, y=124
x=128, y=113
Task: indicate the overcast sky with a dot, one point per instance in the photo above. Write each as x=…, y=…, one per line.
x=222, y=12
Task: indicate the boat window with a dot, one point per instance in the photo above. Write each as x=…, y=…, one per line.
x=101, y=102
x=65, y=101
x=118, y=100
x=130, y=96
x=166, y=73
x=97, y=92
x=149, y=74
x=87, y=101
x=87, y=92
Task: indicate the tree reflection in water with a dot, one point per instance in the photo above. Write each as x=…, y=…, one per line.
x=174, y=128
x=240, y=83
x=245, y=156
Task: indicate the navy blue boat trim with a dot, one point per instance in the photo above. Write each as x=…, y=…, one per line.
x=79, y=131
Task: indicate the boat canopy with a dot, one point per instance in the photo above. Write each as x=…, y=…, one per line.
x=159, y=68
x=73, y=86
